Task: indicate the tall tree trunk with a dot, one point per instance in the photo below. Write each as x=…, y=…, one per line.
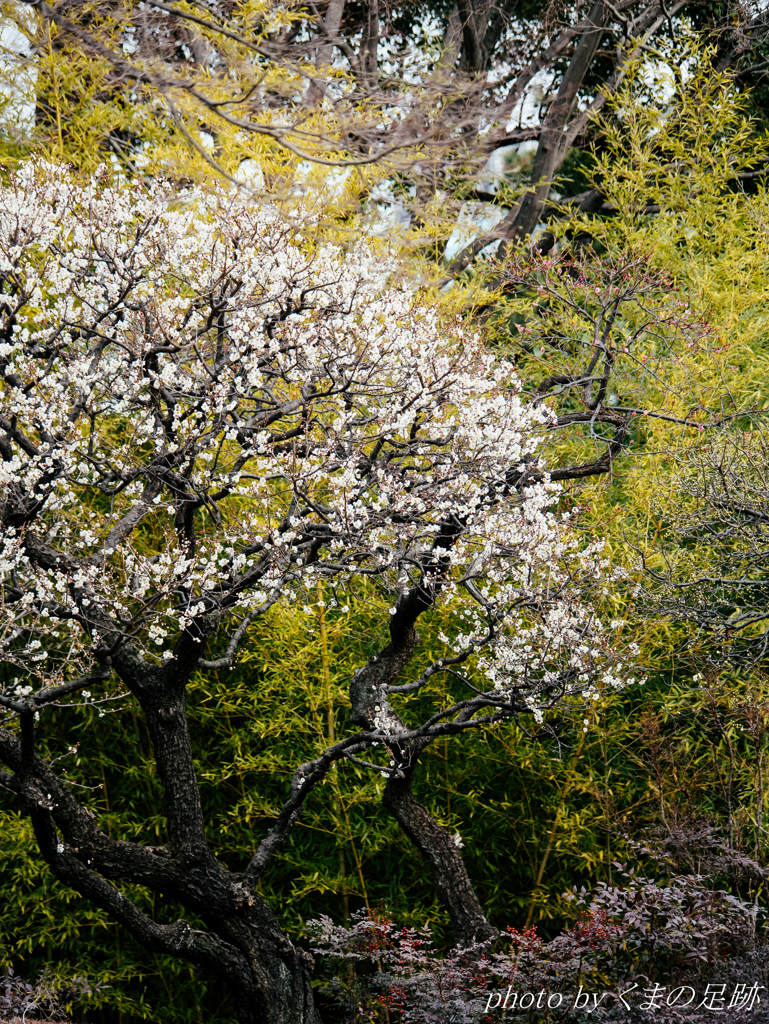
x=554, y=138
x=369, y=45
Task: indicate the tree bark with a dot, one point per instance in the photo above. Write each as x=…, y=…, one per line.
x=324, y=53
x=369, y=689
x=242, y=944
x=554, y=138
x=437, y=846
x=369, y=45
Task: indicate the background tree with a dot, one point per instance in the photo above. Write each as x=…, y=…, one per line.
x=423, y=98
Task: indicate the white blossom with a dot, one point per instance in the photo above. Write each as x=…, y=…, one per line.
x=196, y=366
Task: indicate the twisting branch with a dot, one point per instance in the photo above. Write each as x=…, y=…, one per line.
x=305, y=778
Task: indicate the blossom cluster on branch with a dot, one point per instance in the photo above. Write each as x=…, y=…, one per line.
x=204, y=413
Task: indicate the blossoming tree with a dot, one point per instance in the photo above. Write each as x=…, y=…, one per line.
x=203, y=416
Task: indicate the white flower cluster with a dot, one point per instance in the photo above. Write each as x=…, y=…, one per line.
x=202, y=412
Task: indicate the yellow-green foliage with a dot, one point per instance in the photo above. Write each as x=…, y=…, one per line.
x=181, y=115
x=691, y=165
x=684, y=186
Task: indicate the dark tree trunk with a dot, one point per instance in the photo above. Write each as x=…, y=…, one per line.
x=371, y=708
x=555, y=138
x=437, y=846
x=242, y=944
x=275, y=987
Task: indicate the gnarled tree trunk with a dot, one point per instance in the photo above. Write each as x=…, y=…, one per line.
x=369, y=690
x=438, y=848
x=243, y=945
